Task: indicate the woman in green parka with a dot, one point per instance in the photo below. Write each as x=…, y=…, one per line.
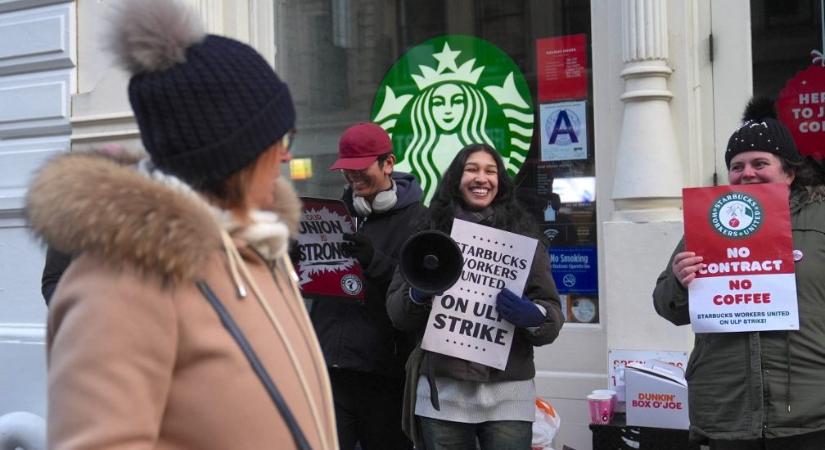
x=761, y=390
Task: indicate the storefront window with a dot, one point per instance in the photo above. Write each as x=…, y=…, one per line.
x=789, y=65
x=784, y=34
x=517, y=73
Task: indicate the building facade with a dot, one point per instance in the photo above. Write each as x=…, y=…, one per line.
x=614, y=107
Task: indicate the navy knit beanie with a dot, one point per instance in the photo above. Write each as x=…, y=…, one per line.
x=207, y=106
x=761, y=131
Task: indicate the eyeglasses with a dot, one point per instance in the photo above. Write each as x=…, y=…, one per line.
x=288, y=140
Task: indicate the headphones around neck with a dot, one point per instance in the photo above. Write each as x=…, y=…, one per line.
x=383, y=201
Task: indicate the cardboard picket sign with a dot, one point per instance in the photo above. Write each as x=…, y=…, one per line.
x=747, y=282
x=464, y=322
x=323, y=270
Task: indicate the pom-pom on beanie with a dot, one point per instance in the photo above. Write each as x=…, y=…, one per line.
x=207, y=106
x=761, y=131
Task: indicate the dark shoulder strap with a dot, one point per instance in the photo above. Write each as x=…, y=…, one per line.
x=234, y=330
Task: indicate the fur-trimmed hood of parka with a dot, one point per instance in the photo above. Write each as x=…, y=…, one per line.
x=88, y=202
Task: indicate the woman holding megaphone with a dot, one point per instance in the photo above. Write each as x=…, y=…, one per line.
x=450, y=402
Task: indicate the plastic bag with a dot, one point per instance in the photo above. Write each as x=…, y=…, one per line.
x=545, y=426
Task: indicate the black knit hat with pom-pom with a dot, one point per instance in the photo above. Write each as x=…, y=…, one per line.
x=761, y=131
x=207, y=106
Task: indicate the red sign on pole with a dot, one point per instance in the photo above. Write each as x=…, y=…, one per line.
x=323, y=270
x=561, y=67
x=801, y=107
x=747, y=281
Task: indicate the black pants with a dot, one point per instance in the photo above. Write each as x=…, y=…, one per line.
x=807, y=441
x=368, y=410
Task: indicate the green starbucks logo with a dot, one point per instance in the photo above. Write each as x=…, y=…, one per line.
x=736, y=215
x=449, y=92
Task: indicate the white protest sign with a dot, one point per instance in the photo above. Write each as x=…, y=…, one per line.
x=464, y=322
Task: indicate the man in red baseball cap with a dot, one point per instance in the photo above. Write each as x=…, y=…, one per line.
x=365, y=355
x=361, y=145
x=366, y=160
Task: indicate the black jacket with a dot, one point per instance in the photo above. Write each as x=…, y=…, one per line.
x=56, y=263
x=360, y=336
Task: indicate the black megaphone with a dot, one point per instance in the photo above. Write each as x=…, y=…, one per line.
x=431, y=262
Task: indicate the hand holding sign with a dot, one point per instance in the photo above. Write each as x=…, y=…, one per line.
x=685, y=266
x=358, y=246
x=520, y=311
x=421, y=298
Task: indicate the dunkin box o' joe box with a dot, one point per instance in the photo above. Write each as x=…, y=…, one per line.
x=656, y=395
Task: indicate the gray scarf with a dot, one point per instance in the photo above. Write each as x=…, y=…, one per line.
x=482, y=216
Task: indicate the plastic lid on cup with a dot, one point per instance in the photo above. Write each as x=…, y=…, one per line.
x=595, y=396
x=610, y=392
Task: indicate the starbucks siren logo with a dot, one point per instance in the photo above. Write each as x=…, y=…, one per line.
x=736, y=215
x=449, y=92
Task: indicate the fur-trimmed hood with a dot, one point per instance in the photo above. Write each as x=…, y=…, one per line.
x=85, y=202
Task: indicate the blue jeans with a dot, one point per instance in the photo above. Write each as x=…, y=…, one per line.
x=495, y=435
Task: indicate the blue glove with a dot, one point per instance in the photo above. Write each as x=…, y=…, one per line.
x=420, y=298
x=520, y=311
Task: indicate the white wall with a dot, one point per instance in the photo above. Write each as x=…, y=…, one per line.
x=22, y=346
x=37, y=79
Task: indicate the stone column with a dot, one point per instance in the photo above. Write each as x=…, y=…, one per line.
x=648, y=178
x=647, y=220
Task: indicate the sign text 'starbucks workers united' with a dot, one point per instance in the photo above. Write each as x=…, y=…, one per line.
x=449, y=92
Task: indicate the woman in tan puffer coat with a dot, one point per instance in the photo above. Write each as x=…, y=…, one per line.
x=178, y=323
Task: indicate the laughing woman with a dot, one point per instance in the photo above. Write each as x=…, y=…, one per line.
x=452, y=402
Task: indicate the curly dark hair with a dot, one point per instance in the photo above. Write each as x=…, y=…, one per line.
x=808, y=172
x=508, y=213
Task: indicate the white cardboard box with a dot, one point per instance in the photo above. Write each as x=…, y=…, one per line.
x=656, y=395
x=617, y=359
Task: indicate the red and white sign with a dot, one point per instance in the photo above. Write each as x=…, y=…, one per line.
x=801, y=107
x=323, y=270
x=747, y=281
x=561, y=67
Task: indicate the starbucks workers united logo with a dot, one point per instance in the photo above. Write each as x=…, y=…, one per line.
x=736, y=215
x=449, y=92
